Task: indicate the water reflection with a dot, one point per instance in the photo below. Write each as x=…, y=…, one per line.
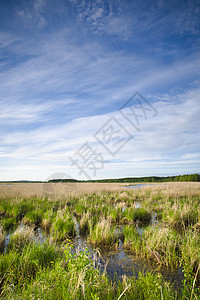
x=139, y=185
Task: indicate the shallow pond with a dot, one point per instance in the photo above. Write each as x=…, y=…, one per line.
x=120, y=262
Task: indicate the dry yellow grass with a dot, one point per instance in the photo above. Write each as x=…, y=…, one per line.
x=54, y=189
x=170, y=189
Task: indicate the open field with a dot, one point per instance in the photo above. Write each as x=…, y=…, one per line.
x=159, y=224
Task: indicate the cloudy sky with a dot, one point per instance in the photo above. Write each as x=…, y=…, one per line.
x=99, y=89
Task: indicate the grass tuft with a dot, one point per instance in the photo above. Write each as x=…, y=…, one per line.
x=2, y=238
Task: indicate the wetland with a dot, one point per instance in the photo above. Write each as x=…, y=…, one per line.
x=135, y=243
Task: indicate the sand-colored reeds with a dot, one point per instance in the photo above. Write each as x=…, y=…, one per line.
x=22, y=236
x=103, y=233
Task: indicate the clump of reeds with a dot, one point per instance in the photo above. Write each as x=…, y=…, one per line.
x=103, y=233
x=22, y=236
x=190, y=250
x=180, y=215
x=2, y=238
x=161, y=245
x=33, y=217
x=139, y=214
x=132, y=239
x=8, y=223
x=116, y=214
x=47, y=220
x=63, y=227
x=85, y=223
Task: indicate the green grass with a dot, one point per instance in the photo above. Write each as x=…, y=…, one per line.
x=139, y=215
x=8, y=223
x=63, y=228
x=132, y=239
x=33, y=217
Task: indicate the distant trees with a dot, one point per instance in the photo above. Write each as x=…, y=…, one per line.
x=183, y=178
x=189, y=177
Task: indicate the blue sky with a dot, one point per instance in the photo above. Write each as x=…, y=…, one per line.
x=67, y=68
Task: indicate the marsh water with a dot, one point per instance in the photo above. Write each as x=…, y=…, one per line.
x=115, y=262
x=119, y=262
x=140, y=185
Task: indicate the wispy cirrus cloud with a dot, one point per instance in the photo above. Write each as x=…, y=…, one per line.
x=34, y=15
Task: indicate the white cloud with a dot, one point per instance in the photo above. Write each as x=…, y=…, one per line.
x=191, y=155
x=169, y=139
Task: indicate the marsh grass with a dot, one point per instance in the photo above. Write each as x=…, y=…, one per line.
x=139, y=214
x=2, y=238
x=48, y=218
x=40, y=273
x=63, y=227
x=181, y=215
x=85, y=223
x=33, y=217
x=190, y=250
x=104, y=234
x=18, y=268
x=22, y=236
x=161, y=245
x=132, y=239
x=8, y=223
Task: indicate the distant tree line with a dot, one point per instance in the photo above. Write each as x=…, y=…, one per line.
x=187, y=177
x=63, y=180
